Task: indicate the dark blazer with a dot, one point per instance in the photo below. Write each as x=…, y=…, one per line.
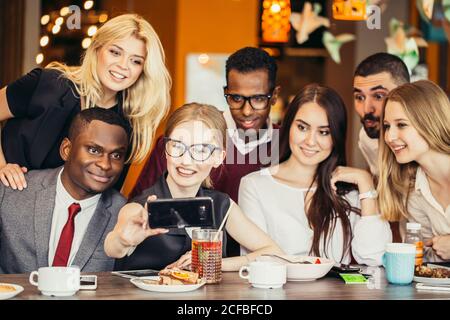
x=156, y=252
x=26, y=220
x=29, y=137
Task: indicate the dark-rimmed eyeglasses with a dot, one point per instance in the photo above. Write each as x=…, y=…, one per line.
x=257, y=102
x=198, y=152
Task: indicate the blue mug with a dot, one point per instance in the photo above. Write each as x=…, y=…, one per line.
x=399, y=262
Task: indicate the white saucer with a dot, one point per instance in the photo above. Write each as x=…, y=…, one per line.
x=10, y=294
x=267, y=286
x=301, y=280
x=435, y=281
x=164, y=288
x=58, y=293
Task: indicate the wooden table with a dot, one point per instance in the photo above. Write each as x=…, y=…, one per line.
x=234, y=288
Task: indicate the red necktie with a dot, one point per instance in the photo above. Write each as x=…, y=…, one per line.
x=65, y=240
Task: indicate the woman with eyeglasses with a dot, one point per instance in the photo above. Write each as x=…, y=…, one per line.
x=195, y=140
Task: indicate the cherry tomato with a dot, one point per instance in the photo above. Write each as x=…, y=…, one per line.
x=317, y=261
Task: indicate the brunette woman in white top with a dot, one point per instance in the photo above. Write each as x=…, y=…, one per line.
x=415, y=156
x=309, y=204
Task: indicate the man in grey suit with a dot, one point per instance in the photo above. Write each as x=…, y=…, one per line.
x=64, y=214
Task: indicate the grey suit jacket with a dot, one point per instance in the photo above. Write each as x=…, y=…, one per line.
x=26, y=220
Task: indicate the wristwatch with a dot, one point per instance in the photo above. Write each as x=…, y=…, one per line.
x=371, y=194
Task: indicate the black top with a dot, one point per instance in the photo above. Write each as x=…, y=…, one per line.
x=43, y=103
x=156, y=252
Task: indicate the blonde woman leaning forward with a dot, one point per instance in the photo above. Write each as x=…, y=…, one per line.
x=414, y=160
x=194, y=144
x=123, y=70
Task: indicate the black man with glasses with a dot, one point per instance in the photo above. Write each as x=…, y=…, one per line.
x=250, y=92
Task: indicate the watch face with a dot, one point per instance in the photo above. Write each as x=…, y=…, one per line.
x=372, y=194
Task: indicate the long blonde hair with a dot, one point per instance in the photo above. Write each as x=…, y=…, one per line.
x=205, y=113
x=147, y=101
x=428, y=109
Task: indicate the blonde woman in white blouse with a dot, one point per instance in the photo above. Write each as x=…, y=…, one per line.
x=414, y=180
x=309, y=204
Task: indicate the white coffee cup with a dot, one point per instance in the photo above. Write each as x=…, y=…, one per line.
x=264, y=274
x=57, y=281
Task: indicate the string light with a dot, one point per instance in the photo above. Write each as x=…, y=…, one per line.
x=64, y=11
x=88, y=4
x=92, y=30
x=103, y=17
x=45, y=19
x=59, y=21
x=39, y=58
x=56, y=28
x=44, y=41
x=86, y=43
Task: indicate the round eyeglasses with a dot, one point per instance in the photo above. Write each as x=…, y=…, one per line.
x=198, y=152
x=257, y=102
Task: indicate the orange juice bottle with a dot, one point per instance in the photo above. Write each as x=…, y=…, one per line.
x=414, y=236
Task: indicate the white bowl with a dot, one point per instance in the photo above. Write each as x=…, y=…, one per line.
x=304, y=272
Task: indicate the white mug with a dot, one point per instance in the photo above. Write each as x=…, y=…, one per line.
x=57, y=281
x=264, y=274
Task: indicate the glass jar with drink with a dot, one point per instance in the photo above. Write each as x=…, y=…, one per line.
x=414, y=236
x=207, y=254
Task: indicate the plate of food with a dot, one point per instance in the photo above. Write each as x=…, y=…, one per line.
x=170, y=280
x=432, y=274
x=302, y=268
x=8, y=290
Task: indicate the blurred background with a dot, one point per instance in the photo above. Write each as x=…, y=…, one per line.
x=198, y=36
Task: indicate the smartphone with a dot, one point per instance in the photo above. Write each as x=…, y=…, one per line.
x=88, y=282
x=345, y=268
x=181, y=212
x=340, y=268
x=136, y=273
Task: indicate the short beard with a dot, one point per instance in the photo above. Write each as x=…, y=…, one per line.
x=372, y=132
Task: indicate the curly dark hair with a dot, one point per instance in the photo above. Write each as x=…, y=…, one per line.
x=384, y=62
x=250, y=59
x=86, y=116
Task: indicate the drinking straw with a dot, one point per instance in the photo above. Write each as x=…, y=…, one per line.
x=222, y=225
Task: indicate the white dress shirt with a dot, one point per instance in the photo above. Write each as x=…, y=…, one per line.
x=63, y=200
x=369, y=149
x=243, y=147
x=423, y=208
x=278, y=209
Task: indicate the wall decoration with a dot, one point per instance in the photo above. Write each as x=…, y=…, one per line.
x=402, y=44
x=307, y=21
x=334, y=43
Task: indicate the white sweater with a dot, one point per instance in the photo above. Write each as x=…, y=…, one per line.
x=278, y=209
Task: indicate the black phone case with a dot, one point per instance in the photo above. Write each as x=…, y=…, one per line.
x=335, y=271
x=181, y=212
